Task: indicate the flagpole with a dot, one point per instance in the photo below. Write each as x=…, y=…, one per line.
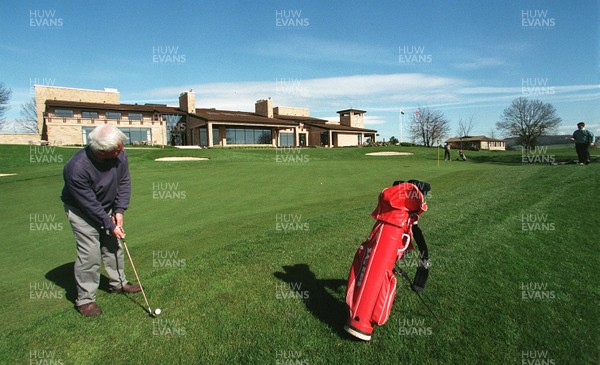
x=438, y=151
x=401, y=124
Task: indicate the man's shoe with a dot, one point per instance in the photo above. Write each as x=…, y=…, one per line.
x=127, y=288
x=89, y=309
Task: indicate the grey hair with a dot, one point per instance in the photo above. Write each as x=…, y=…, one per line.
x=105, y=137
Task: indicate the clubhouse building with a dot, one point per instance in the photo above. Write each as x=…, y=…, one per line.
x=477, y=143
x=66, y=116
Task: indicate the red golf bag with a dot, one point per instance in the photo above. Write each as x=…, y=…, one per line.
x=372, y=284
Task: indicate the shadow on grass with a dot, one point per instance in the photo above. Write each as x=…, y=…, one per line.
x=506, y=159
x=319, y=302
x=64, y=277
x=547, y=157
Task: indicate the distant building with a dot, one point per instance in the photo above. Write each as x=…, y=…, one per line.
x=477, y=143
x=66, y=116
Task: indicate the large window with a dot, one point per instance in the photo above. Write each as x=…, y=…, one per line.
x=216, y=137
x=203, y=136
x=63, y=113
x=91, y=115
x=248, y=136
x=134, y=116
x=286, y=139
x=113, y=115
x=324, y=138
x=135, y=136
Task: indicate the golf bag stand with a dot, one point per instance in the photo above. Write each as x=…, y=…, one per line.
x=372, y=284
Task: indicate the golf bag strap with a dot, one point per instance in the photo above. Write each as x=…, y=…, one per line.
x=418, y=284
x=423, y=267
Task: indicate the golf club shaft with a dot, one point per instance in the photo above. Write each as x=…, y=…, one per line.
x=136, y=275
x=427, y=306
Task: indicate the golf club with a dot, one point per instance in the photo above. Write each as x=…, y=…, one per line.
x=403, y=273
x=157, y=311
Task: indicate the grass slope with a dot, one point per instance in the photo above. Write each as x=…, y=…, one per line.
x=235, y=288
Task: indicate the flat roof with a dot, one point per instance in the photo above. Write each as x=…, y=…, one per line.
x=339, y=127
x=473, y=139
x=105, y=90
x=351, y=110
x=105, y=106
x=230, y=116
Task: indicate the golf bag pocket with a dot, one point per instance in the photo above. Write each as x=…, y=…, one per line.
x=356, y=269
x=385, y=300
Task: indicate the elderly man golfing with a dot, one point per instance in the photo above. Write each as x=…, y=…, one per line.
x=95, y=196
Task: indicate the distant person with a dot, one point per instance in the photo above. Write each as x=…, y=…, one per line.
x=447, y=151
x=583, y=140
x=95, y=196
x=461, y=156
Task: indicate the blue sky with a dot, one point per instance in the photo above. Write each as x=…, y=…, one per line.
x=464, y=58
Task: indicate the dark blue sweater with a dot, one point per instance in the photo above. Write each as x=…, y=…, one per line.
x=97, y=187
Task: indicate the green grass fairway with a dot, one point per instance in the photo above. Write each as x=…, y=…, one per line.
x=247, y=254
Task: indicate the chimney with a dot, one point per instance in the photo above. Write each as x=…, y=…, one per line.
x=264, y=108
x=187, y=101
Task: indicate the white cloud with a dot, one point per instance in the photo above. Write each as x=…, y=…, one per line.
x=374, y=120
x=320, y=93
x=521, y=88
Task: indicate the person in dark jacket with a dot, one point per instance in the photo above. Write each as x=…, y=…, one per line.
x=95, y=196
x=447, y=151
x=583, y=140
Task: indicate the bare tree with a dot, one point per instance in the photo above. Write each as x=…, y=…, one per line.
x=527, y=120
x=28, y=123
x=4, y=98
x=464, y=128
x=429, y=126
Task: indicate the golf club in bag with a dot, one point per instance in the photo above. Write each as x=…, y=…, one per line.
x=372, y=283
x=150, y=312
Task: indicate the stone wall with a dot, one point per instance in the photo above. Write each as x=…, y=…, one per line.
x=20, y=139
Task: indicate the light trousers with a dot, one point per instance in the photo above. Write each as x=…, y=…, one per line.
x=93, y=247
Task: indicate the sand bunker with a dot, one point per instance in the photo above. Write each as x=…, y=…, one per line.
x=7, y=175
x=390, y=153
x=181, y=159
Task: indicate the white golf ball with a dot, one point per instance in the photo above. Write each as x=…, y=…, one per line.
x=157, y=311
